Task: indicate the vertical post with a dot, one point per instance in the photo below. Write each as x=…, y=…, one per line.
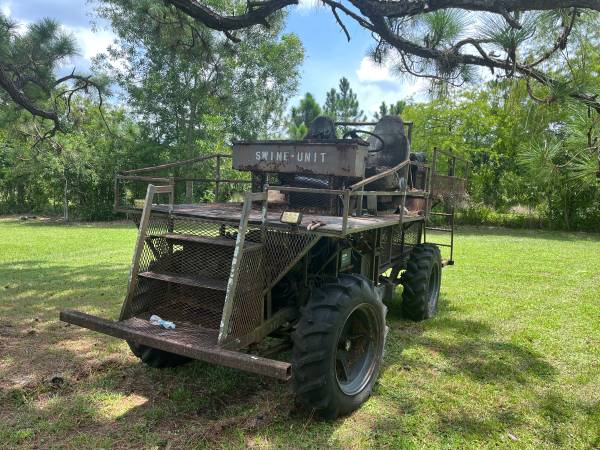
x=139, y=246
x=171, y=194
x=346, y=206
x=452, y=236
x=218, y=179
x=116, y=193
x=235, y=269
x=189, y=192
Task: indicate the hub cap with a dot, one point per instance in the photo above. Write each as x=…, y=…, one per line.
x=355, y=357
x=434, y=289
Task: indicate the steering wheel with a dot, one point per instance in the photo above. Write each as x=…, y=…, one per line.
x=354, y=135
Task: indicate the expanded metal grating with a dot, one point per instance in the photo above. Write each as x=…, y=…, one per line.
x=185, y=269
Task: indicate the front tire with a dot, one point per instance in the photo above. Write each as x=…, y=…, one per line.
x=338, y=346
x=422, y=280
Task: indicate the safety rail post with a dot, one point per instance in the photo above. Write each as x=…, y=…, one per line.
x=249, y=198
x=346, y=206
x=218, y=178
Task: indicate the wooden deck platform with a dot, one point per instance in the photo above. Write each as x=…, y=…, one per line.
x=333, y=224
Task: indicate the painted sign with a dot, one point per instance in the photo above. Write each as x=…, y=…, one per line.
x=332, y=158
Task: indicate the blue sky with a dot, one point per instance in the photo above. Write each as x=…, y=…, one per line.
x=329, y=55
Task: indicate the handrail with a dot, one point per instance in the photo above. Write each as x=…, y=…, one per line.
x=174, y=164
x=379, y=176
x=451, y=155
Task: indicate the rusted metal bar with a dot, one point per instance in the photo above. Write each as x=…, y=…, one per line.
x=450, y=154
x=211, y=354
x=189, y=191
x=249, y=197
x=346, y=203
x=375, y=193
x=212, y=180
x=218, y=179
x=307, y=190
x=142, y=178
x=174, y=164
x=139, y=246
x=379, y=176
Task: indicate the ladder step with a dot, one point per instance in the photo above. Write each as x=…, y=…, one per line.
x=445, y=230
x=187, y=280
x=216, y=240
x=417, y=193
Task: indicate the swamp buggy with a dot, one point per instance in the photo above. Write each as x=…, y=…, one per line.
x=327, y=229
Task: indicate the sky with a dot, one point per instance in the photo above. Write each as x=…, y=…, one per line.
x=328, y=54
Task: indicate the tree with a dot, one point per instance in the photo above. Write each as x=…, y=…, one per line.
x=393, y=109
x=422, y=39
x=183, y=79
x=343, y=105
x=28, y=65
x=302, y=116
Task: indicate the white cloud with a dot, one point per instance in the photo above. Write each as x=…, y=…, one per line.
x=5, y=8
x=370, y=72
x=376, y=83
x=91, y=42
x=308, y=4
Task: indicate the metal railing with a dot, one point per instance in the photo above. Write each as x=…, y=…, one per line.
x=139, y=176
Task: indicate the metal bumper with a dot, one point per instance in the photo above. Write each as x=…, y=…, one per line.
x=179, y=342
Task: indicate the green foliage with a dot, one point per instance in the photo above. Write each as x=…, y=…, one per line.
x=343, y=105
x=179, y=74
x=189, y=91
x=302, y=116
x=393, y=109
x=32, y=57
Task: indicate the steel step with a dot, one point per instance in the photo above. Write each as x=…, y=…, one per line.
x=187, y=280
x=191, y=341
x=422, y=194
x=208, y=240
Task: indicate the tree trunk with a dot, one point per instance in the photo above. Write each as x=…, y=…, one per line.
x=66, y=200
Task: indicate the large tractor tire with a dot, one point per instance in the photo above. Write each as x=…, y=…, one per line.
x=153, y=357
x=338, y=346
x=422, y=280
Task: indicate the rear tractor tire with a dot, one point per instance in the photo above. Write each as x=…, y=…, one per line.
x=338, y=346
x=422, y=280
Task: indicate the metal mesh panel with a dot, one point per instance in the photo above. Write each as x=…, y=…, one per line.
x=183, y=272
x=450, y=189
x=283, y=249
x=248, y=302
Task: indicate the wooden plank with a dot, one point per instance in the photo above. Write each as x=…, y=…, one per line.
x=187, y=280
x=138, y=331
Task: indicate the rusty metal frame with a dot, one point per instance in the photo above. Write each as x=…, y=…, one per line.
x=249, y=198
x=211, y=354
x=133, y=175
x=141, y=239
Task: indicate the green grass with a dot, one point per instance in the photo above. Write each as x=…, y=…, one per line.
x=512, y=360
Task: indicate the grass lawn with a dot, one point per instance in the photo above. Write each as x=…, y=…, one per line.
x=512, y=360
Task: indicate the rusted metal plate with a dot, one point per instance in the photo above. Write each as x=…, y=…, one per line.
x=193, y=342
x=332, y=158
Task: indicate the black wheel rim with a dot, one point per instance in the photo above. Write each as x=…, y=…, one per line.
x=357, y=345
x=434, y=289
